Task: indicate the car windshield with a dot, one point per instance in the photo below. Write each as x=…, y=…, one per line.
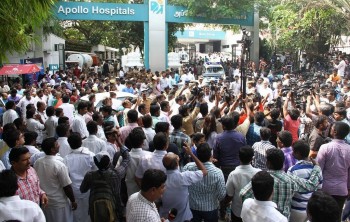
x=214, y=69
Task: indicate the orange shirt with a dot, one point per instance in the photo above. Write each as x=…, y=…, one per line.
x=334, y=78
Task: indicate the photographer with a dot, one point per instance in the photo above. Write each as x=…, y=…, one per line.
x=184, y=111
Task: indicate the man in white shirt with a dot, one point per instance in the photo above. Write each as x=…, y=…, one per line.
x=55, y=181
x=155, y=160
x=237, y=179
x=68, y=109
x=79, y=162
x=62, y=131
x=35, y=124
x=266, y=92
x=261, y=208
x=341, y=66
x=93, y=143
x=148, y=131
x=30, y=143
x=235, y=86
x=79, y=125
x=51, y=122
x=26, y=99
x=41, y=106
x=12, y=208
x=137, y=138
x=164, y=82
x=10, y=115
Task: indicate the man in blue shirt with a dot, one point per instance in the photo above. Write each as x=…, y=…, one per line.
x=228, y=143
x=128, y=88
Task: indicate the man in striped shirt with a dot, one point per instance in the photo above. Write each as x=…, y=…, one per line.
x=206, y=194
x=285, y=184
x=302, y=169
x=259, y=160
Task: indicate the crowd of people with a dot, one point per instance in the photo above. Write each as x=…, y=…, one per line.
x=178, y=148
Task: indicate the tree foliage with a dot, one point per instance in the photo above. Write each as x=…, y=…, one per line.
x=18, y=21
x=308, y=27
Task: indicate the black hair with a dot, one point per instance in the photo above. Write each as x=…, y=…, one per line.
x=262, y=185
x=141, y=107
x=147, y=121
x=92, y=127
x=197, y=136
x=162, y=127
x=341, y=130
x=58, y=111
x=228, y=123
x=16, y=153
x=50, y=111
x=294, y=114
x=107, y=109
x=48, y=144
x=176, y=121
x=341, y=111
x=82, y=105
x=203, y=109
x=30, y=137
x=319, y=120
x=285, y=137
x=10, y=105
x=95, y=116
x=164, y=104
x=152, y=178
x=30, y=113
x=10, y=137
x=8, y=183
x=183, y=110
x=65, y=99
x=259, y=117
x=154, y=109
x=160, y=141
x=323, y=208
x=276, y=158
x=18, y=122
x=75, y=141
x=275, y=113
x=302, y=147
x=132, y=116
x=62, y=129
x=204, y=152
x=63, y=120
x=246, y=154
x=9, y=126
x=265, y=133
x=137, y=137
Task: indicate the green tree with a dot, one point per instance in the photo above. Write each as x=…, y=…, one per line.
x=18, y=20
x=311, y=28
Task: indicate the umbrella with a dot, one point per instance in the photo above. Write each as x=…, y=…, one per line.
x=16, y=69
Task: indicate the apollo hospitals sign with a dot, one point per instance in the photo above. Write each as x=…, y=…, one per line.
x=155, y=14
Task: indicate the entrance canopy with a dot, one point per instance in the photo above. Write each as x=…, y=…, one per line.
x=155, y=14
x=17, y=69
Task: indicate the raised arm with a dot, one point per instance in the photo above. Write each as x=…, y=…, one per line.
x=199, y=164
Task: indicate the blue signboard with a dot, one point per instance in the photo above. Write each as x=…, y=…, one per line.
x=101, y=11
x=54, y=67
x=198, y=34
x=179, y=14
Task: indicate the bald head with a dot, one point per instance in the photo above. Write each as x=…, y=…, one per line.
x=171, y=161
